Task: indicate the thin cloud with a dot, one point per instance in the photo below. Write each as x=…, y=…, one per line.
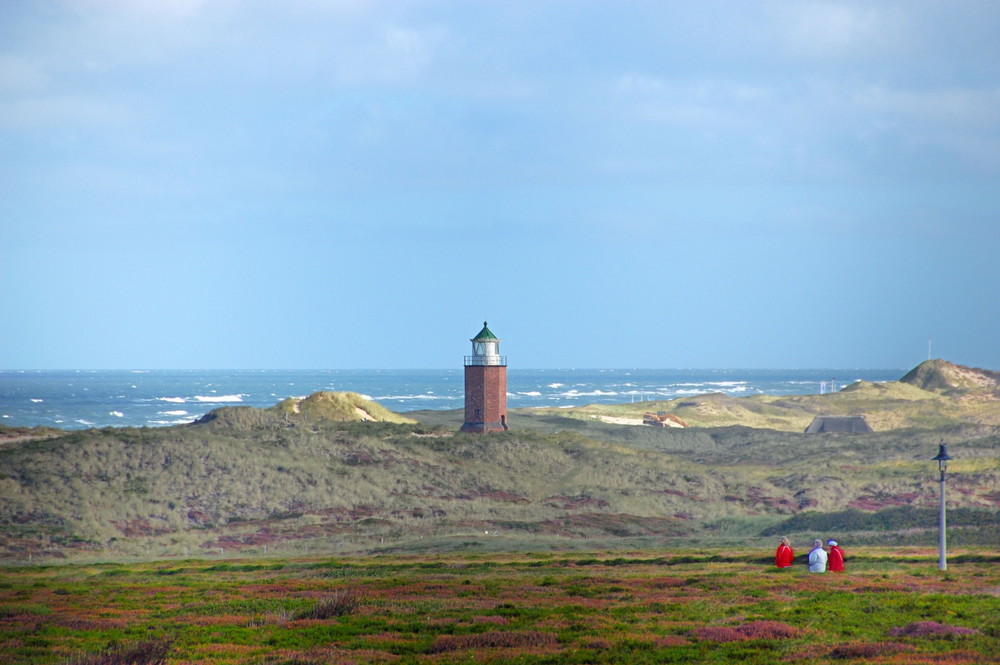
x=61, y=111
x=840, y=30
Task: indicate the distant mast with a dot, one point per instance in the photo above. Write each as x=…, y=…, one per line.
x=485, y=385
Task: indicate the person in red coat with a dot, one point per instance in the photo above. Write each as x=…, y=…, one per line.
x=783, y=557
x=836, y=564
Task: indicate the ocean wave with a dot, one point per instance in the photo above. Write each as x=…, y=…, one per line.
x=219, y=398
x=702, y=389
x=555, y=385
x=36, y=400
x=529, y=393
x=175, y=400
x=174, y=413
x=594, y=393
x=181, y=421
x=116, y=414
x=402, y=397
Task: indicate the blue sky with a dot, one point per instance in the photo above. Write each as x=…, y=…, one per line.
x=359, y=184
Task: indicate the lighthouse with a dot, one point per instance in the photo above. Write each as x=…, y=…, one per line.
x=485, y=385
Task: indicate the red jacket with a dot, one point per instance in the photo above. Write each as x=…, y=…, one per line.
x=836, y=562
x=783, y=557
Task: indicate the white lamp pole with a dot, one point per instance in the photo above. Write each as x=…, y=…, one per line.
x=942, y=460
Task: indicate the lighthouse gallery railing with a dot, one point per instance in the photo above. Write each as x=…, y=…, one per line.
x=485, y=360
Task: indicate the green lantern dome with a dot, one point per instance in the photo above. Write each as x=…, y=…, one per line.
x=484, y=334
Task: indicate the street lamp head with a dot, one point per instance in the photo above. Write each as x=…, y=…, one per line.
x=942, y=457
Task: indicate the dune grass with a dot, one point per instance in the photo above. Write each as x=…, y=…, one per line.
x=251, y=481
x=886, y=406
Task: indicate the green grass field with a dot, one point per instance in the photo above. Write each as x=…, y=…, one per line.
x=693, y=606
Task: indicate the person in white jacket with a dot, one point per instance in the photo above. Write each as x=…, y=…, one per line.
x=817, y=558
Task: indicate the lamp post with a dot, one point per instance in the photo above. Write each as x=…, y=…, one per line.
x=942, y=459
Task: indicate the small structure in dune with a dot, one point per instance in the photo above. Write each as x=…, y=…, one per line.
x=839, y=425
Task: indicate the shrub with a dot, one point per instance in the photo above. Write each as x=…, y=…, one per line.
x=667, y=582
x=491, y=619
x=336, y=604
x=930, y=629
x=718, y=634
x=149, y=652
x=888, y=519
x=867, y=650
x=491, y=640
x=767, y=630
x=754, y=630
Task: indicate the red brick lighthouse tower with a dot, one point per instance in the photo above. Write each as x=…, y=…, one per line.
x=485, y=385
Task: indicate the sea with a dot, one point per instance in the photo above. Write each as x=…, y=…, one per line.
x=84, y=399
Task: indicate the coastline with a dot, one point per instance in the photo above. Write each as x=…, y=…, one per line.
x=76, y=400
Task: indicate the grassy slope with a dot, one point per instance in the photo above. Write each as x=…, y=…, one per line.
x=309, y=474
x=248, y=478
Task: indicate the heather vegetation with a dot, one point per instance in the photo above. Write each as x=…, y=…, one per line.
x=668, y=606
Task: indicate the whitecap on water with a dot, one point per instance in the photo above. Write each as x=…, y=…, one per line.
x=219, y=398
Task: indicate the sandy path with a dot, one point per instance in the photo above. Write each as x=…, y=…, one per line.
x=619, y=421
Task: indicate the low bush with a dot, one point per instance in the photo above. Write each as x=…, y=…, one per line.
x=149, y=652
x=867, y=650
x=719, y=634
x=335, y=605
x=930, y=629
x=754, y=630
x=491, y=640
x=767, y=630
x=896, y=518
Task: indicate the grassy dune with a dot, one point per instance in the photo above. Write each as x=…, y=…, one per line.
x=336, y=473
x=252, y=485
x=694, y=606
x=886, y=406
